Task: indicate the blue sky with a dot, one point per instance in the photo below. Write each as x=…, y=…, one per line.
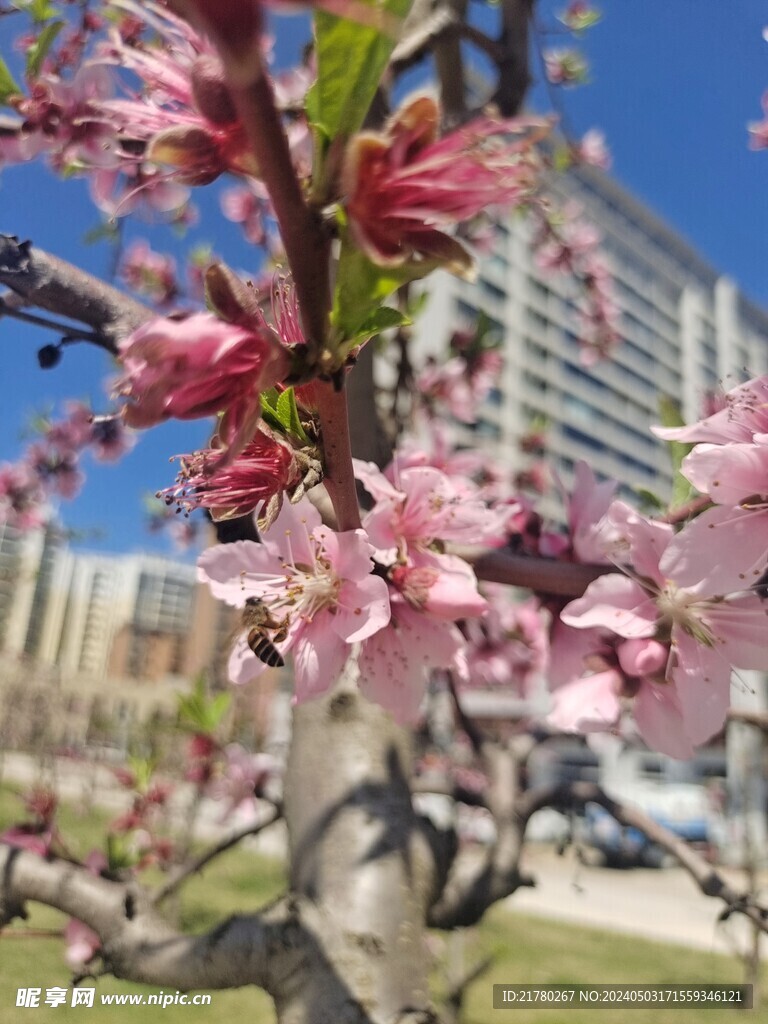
x=674, y=83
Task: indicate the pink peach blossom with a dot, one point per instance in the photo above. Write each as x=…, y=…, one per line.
x=395, y=661
x=708, y=631
x=426, y=506
x=149, y=273
x=743, y=415
x=405, y=185
x=207, y=479
x=199, y=366
x=593, y=151
x=565, y=67
x=82, y=944
x=316, y=583
x=733, y=536
x=22, y=496
x=508, y=646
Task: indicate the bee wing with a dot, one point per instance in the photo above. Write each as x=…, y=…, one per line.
x=243, y=667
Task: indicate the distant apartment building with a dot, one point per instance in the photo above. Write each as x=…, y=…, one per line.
x=94, y=615
x=686, y=329
x=27, y=562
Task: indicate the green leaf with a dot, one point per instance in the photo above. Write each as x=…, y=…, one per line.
x=670, y=415
x=561, y=159
x=269, y=400
x=416, y=304
x=199, y=711
x=119, y=853
x=143, y=769
x=383, y=319
x=288, y=414
x=8, y=85
x=650, y=501
x=108, y=231
x=38, y=10
x=38, y=50
x=218, y=708
x=279, y=411
x=361, y=287
x=351, y=58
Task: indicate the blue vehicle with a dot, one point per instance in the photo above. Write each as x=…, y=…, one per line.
x=623, y=846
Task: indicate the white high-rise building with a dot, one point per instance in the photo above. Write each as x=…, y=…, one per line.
x=67, y=609
x=21, y=569
x=686, y=329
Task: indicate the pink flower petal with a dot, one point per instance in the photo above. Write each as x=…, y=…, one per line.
x=729, y=473
x=363, y=609
x=243, y=664
x=225, y=568
x=393, y=663
x=614, y=602
x=702, y=678
x=721, y=551
x=660, y=721
x=318, y=658
x=590, y=704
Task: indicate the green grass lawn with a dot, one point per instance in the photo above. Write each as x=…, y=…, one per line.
x=526, y=950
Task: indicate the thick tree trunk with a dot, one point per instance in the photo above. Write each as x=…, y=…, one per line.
x=357, y=852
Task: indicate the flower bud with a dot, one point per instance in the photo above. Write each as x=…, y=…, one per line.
x=49, y=356
x=192, y=150
x=235, y=27
x=231, y=298
x=212, y=97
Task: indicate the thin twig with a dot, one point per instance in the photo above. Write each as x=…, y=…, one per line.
x=339, y=478
x=758, y=719
x=691, y=508
x=67, y=331
x=197, y=864
x=470, y=728
x=33, y=933
x=710, y=882
x=307, y=245
x=455, y=997
x=47, y=282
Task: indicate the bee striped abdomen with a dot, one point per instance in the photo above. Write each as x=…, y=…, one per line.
x=261, y=645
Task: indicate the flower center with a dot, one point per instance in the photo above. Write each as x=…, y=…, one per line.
x=679, y=608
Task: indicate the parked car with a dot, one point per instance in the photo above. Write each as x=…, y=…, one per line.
x=683, y=808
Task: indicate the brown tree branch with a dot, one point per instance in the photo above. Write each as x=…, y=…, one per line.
x=69, y=332
x=471, y=729
x=47, y=282
x=575, y=795
x=759, y=719
x=691, y=508
x=544, y=575
x=476, y=883
x=307, y=244
x=139, y=945
x=196, y=864
x=281, y=949
x=441, y=28
x=339, y=477
x=514, y=69
x=449, y=66
x=456, y=994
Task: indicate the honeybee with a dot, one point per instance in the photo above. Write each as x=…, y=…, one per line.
x=264, y=631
